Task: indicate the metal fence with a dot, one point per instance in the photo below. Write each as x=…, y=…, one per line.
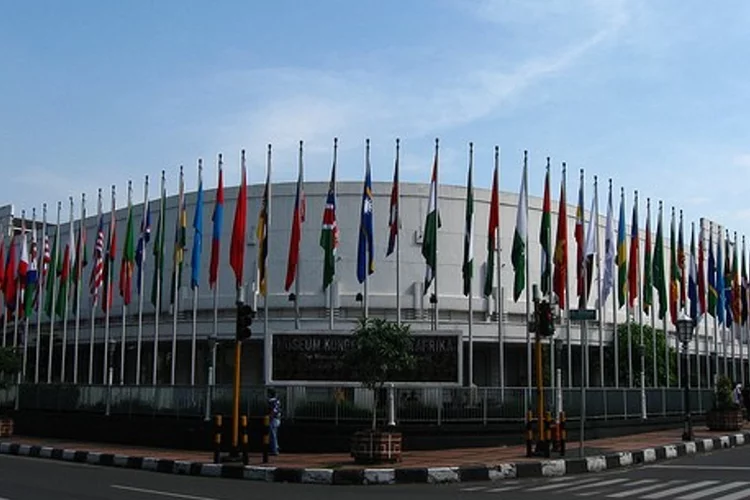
x=433, y=405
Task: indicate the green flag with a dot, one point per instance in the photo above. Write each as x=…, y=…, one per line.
x=518, y=253
x=431, y=225
x=467, y=269
x=158, y=250
x=329, y=233
x=659, y=267
x=51, y=278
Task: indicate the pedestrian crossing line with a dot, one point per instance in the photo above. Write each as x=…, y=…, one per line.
x=678, y=489
x=713, y=491
x=473, y=488
x=597, y=484
x=737, y=495
x=504, y=488
x=555, y=486
x=645, y=489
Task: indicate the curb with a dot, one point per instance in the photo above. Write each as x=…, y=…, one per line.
x=432, y=475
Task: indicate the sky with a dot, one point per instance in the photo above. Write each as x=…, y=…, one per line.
x=653, y=95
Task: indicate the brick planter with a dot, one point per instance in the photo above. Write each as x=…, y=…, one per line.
x=724, y=420
x=374, y=447
x=6, y=427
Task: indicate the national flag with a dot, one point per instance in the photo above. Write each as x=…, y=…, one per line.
x=701, y=271
x=431, y=226
x=730, y=282
x=9, y=283
x=158, y=251
x=218, y=219
x=195, y=255
x=32, y=274
x=467, y=269
x=634, y=259
x=393, y=215
x=590, y=249
x=23, y=268
x=720, y=292
x=65, y=268
x=262, y=237
x=109, y=263
x=713, y=290
x=579, y=236
x=674, y=273
x=366, y=244
x=493, y=226
x=239, y=227
x=559, y=276
x=80, y=261
x=143, y=239
x=736, y=284
x=659, y=267
x=681, y=265
x=622, y=259
x=693, y=279
x=608, y=281
x=648, y=285
x=180, y=241
x=329, y=233
x=518, y=252
x=51, y=277
x=97, y=272
x=127, y=261
x=545, y=238
x=298, y=218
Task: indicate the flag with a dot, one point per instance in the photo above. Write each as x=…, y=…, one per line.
x=127, y=261
x=9, y=283
x=109, y=262
x=493, y=225
x=720, y=292
x=674, y=273
x=743, y=287
x=158, y=250
x=143, y=239
x=217, y=218
x=467, y=269
x=648, y=292
x=81, y=260
x=180, y=241
x=622, y=260
x=2, y=264
x=262, y=237
x=518, y=252
x=329, y=234
x=559, y=276
x=97, y=272
x=393, y=216
x=32, y=275
x=23, y=268
x=634, y=257
x=730, y=270
x=608, y=281
x=545, y=238
x=237, y=245
x=693, y=279
x=659, y=267
x=64, y=270
x=590, y=249
x=298, y=218
x=431, y=225
x=736, y=285
x=195, y=255
x=713, y=290
x=701, y=272
x=681, y=265
x=366, y=245
x=580, y=244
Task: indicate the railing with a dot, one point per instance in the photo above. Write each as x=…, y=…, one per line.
x=434, y=405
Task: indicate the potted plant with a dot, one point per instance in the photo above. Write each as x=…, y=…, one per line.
x=10, y=365
x=726, y=415
x=380, y=351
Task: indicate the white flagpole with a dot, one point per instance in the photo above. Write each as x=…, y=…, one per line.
x=40, y=295
x=529, y=380
x=616, y=332
x=9, y=230
x=123, y=335
x=79, y=283
x=499, y=295
x=193, y=342
x=139, y=340
x=639, y=295
x=71, y=237
x=158, y=266
x=330, y=286
x=216, y=286
x=437, y=247
x=95, y=295
x=398, y=236
x=471, y=272
x=106, y=294
x=598, y=263
x=709, y=381
x=53, y=275
x=567, y=293
x=176, y=278
x=652, y=312
x=25, y=356
x=365, y=303
x=18, y=283
x=266, y=329
x=296, y=270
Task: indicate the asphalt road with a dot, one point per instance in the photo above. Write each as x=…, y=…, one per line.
x=722, y=475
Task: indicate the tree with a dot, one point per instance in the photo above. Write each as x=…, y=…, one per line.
x=379, y=353
x=649, y=336
x=10, y=364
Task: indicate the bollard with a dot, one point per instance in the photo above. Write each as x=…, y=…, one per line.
x=243, y=423
x=563, y=434
x=266, y=437
x=548, y=437
x=529, y=433
x=218, y=421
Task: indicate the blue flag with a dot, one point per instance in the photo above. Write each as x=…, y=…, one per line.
x=195, y=258
x=366, y=247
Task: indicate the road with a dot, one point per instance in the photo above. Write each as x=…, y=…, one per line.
x=723, y=475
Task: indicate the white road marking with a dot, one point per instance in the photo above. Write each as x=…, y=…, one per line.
x=504, y=488
x=734, y=496
x=638, y=491
x=698, y=467
x=714, y=490
x=474, y=488
x=597, y=484
x=555, y=486
x=159, y=493
x=679, y=489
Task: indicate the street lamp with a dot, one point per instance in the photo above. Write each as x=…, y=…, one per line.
x=685, y=330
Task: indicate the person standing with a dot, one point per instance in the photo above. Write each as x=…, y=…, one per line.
x=274, y=414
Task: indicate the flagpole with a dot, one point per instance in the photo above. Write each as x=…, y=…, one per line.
x=500, y=295
x=567, y=294
x=550, y=286
x=108, y=293
x=716, y=315
x=525, y=181
x=141, y=272
x=266, y=330
x=330, y=285
x=52, y=274
x=123, y=335
x=398, y=236
x=193, y=342
x=22, y=375
x=471, y=273
x=365, y=303
x=598, y=262
x=65, y=303
x=176, y=278
x=158, y=267
x=40, y=295
x=709, y=381
x=9, y=229
x=615, y=330
x=18, y=283
x=216, y=287
x=79, y=273
x=296, y=269
x=437, y=252
x=697, y=308
x=94, y=297
x=652, y=312
x=641, y=347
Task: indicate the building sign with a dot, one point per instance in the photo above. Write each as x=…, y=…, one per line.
x=319, y=357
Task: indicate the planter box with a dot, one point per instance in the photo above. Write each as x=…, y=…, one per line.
x=6, y=427
x=724, y=420
x=373, y=447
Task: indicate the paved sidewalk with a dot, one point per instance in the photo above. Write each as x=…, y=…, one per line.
x=460, y=457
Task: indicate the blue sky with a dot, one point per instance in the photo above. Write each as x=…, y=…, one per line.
x=652, y=94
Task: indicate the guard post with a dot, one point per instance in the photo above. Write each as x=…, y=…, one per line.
x=266, y=437
x=563, y=434
x=218, y=422
x=243, y=422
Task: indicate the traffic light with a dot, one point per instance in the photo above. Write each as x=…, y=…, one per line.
x=245, y=315
x=545, y=319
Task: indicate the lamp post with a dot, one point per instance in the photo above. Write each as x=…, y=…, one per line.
x=685, y=330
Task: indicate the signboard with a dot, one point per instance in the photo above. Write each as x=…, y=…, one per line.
x=582, y=314
x=318, y=358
